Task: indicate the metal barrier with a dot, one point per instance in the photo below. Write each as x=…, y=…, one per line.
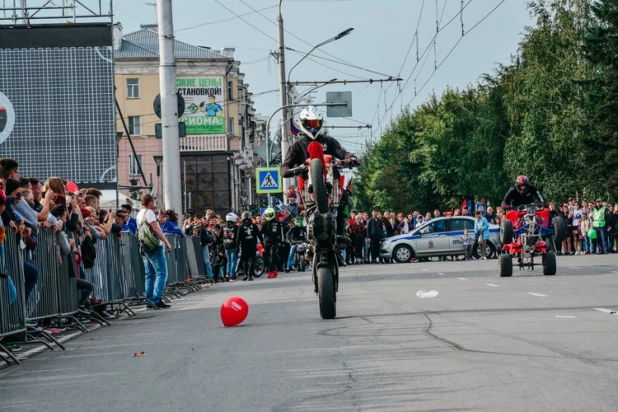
x=177, y=267
x=195, y=261
x=43, y=302
x=98, y=275
x=171, y=260
x=118, y=276
x=12, y=315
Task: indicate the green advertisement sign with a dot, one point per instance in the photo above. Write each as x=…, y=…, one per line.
x=204, y=103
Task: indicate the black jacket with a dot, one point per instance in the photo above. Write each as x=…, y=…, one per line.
x=229, y=236
x=297, y=234
x=272, y=231
x=374, y=228
x=513, y=198
x=247, y=237
x=299, y=151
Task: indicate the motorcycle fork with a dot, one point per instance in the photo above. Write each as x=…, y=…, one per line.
x=326, y=258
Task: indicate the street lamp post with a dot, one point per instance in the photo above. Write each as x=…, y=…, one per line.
x=332, y=39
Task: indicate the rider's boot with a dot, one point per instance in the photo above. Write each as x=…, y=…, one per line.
x=245, y=277
x=250, y=278
x=275, y=273
x=270, y=275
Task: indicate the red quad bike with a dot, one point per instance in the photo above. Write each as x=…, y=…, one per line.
x=527, y=225
x=322, y=193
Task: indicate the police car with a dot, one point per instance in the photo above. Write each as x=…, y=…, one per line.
x=438, y=237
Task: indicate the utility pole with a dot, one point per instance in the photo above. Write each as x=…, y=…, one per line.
x=283, y=93
x=169, y=108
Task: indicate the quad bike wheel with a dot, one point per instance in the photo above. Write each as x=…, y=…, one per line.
x=557, y=225
x=505, y=265
x=506, y=232
x=319, y=187
x=549, y=264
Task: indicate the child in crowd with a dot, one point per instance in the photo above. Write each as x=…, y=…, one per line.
x=468, y=241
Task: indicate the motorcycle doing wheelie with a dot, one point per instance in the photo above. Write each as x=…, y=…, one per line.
x=322, y=193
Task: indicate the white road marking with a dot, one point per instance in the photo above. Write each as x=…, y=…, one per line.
x=425, y=294
x=537, y=294
x=575, y=267
x=566, y=317
x=462, y=278
x=441, y=274
x=492, y=285
x=424, y=270
x=608, y=311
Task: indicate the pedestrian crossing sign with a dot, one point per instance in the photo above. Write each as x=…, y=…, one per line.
x=268, y=180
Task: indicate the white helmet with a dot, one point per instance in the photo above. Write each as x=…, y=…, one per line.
x=231, y=217
x=311, y=122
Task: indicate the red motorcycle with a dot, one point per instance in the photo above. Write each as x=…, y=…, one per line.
x=322, y=193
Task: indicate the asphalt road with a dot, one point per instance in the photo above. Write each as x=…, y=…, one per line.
x=526, y=343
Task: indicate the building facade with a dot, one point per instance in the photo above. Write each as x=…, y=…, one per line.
x=217, y=159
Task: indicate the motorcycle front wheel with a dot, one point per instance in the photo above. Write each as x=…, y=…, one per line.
x=326, y=293
x=319, y=187
x=258, y=267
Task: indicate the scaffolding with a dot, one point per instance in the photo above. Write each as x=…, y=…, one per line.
x=48, y=11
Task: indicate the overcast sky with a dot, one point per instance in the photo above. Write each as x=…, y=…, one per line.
x=383, y=33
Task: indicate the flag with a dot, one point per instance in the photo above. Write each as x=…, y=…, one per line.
x=467, y=204
x=294, y=129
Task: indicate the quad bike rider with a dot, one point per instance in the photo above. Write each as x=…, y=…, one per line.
x=298, y=236
x=525, y=228
x=522, y=193
x=325, y=202
x=272, y=232
x=246, y=243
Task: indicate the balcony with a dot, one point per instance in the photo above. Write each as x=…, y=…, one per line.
x=198, y=143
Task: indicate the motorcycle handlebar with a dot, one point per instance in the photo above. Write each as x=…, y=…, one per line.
x=342, y=164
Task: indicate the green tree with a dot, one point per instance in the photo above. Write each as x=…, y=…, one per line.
x=600, y=48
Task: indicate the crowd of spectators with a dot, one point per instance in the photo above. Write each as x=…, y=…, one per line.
x=75, y=218
x=590, y=228
x=78, y=222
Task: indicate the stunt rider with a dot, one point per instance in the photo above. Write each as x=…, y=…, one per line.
x=522, y=193
x=272, y=231
x=246, y=243
x=310, y=129
x=298, y=234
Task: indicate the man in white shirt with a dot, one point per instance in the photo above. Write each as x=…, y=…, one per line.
x=155, y=262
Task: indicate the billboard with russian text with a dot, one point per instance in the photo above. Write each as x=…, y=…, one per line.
x=204, y=105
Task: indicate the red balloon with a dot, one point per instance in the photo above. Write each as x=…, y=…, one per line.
x=234, y=311
x=72, y=187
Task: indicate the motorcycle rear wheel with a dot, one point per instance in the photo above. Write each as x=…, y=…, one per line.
x=319, y=187
x=326, y=293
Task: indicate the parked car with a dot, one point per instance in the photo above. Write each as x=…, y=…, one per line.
x=438, y=237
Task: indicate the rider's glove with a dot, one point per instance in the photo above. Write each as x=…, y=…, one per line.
x=288, y=173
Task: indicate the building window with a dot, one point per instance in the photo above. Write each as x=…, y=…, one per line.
x=133, y=88
x=230, y=91
x=134, y=126
x=230, y=126
x=134, y=165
